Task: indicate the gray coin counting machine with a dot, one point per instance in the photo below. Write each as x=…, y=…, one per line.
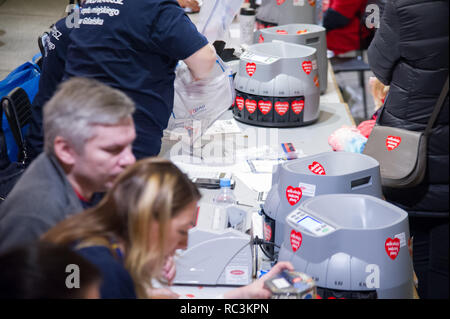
x=295, y=181
x=354, y=246
x=305, y=34
x=274, y=12
x=277, y=85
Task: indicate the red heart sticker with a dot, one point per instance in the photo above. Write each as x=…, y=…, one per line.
x=317, y=168
x=392, y=247
x=265, y=106
x=297, y=106
x=293, y=195
x=280, y=2
x=281, y=32
x=281, y=107
x=261, y=39
x=392, y=142
x=240, y=102
x=296, y=240
x=250, y=105
x=250, y=68
x=267, y=232
x=316, y=80
x=307, y=67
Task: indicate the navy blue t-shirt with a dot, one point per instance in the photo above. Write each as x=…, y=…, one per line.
x=116, y=280
x=52, y=72
x=135, y=46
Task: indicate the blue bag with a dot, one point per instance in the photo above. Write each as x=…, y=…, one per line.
x=27, y=77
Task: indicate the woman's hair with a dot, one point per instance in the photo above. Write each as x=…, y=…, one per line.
x=42, y=271
x=151, y=191
x=379, y=92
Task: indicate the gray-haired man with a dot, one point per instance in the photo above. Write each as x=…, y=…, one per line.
x=88, y=133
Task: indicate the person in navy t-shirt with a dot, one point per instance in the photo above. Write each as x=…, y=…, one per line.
x=53, y=62
x=135, y=46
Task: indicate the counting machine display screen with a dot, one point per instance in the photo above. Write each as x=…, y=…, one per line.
x=309, y=223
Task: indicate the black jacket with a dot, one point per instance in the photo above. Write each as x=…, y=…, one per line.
x=410, y=53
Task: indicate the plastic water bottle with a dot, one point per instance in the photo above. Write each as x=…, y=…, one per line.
x=226, y=212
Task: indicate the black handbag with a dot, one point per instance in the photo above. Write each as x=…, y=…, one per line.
x=402, y=154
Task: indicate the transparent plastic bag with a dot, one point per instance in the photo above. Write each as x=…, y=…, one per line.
x=216, y=17
x=198, y=104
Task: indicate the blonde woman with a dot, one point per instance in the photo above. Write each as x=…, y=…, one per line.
x=132, y=233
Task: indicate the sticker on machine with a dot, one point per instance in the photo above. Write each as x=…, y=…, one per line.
x=297, y=106
x=299, y=3
x=260, y=39
x=392, y=142
x=265, y=106
x=402, y=237
x=296, y=240
x=314, y=64
x=317, y=168
x=281, y=107
x=312, y=3
x=236, y=274
x=307, y=67
x=316, y=80
x=250, y=68
x=240, y=102
x=293, y=195
x=392, y=247
x=308, y=189
x=280, y=2
x=250, y=105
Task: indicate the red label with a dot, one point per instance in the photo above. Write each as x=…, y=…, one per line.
x=281, y=107
x=240, y=102
x=297, y=106
x=261, y=39
x=250, y=68
x=392, y=247
x=250, y=105
x=312, y=3
x=316, y=80
x=296, y=240
x=280, y=2
x=293, y=195
x=237, y=272
x=317, y=168
x=307, y=67
x=392, y=142
x=265, y=106
x=281, y=32
x=267, y=232
x=302, y=31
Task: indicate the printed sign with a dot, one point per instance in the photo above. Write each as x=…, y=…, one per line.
x=392, y=247
x=281, y=107
x=392, y=142
x=317, y=168
x=296, y=240
x=250, y=68
x=307, y=67
x=293, y=195
x=236, y=274
x=264, y=106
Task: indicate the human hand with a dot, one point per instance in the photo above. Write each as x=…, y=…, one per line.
x=161, y=293
x=191, y=4
x=169, y=270
x=256, y=290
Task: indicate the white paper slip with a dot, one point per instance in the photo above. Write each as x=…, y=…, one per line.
x=223, y=127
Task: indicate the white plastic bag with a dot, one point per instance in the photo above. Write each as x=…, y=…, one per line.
x=197, y=104
x=216, y=17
